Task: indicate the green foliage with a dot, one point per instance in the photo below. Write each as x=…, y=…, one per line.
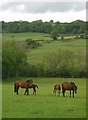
x=54, y=34
x=84, y=35
x=75, y=27
x=12, y=58
x=32, y=43
x=62, y=37
x=59, y=63
x=55, y=59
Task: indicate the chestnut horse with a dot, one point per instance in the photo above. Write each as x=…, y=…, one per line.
x=34, y=86
x=22, y=84
x=57, y=87
x=69, y=86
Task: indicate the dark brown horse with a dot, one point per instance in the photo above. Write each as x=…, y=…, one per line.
x=69, y=86
x=22, y=84
x=34, y=86
x=57, y=88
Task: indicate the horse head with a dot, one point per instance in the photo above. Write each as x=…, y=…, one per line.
x=37, y=86
x=30, y=82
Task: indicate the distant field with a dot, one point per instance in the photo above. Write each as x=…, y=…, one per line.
x=30, y=35
x=44, y=104
x=37, y=55
x=24, y=36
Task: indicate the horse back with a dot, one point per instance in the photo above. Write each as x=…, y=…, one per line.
x=66, y=86
x=21, y=83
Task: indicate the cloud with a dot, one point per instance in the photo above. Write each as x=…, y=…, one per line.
x=42, y=7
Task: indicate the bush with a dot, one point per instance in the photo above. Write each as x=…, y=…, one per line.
x=32, y=43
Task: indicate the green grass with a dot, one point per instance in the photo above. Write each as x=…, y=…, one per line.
x=29, y=35
x=44, y=104
x=37, y=55
x=24, y=36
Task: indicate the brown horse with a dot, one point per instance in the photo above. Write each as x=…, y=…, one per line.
x=22, y=84
x=34, y=86
x=57, y=88
x=69, y=86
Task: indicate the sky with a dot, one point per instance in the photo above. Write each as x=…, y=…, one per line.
x=45, y=11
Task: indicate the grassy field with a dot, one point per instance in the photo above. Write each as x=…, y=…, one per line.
x=29, y=35
x=44, y=104
x=35, y=56
x=24, y=36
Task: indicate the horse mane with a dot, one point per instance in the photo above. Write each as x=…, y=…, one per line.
x=28, y=80
x=73, y=84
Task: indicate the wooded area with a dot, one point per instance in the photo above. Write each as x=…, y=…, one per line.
x=62, y=63
x=75, y=27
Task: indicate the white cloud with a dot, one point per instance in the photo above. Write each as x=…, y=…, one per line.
x=63, y=12
x=42, y=7
x=62, y=17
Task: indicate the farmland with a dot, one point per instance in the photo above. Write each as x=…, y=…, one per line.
x=45, y=104
x=37, y=55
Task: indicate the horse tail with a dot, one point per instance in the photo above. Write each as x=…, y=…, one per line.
x=15, y=90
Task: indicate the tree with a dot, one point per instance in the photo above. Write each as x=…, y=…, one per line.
x=54, y=34
x=32, y=43
x=12, y=58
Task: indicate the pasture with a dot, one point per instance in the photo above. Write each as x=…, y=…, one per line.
x=78, y=47
x=36, y=56
x=24, y=36
x=45, y=104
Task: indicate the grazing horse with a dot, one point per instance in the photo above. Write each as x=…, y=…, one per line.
x=34, y=86
x=69, y=86
x=22, y=84
x=57, y=87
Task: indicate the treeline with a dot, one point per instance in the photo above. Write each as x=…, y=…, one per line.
x=63, y=63
x=75, y=27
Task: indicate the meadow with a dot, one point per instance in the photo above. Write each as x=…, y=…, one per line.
x=45, y=104
x=36, y=56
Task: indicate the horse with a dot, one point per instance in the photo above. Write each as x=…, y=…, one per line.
x=57, y=87
x=34, y=86
x=22, y=84
x=69, y=86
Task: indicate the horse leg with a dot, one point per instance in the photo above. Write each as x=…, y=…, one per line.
x=59, y=92
x=63, y=93
x=27, y=91
x=70, y=93
x=34, y=91
x=17, y=89
x=73, y=93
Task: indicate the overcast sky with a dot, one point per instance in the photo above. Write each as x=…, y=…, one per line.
x=31, y=11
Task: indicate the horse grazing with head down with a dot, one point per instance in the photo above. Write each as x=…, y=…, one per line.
x=69, y=86
x=22, y=84
x=34, y=86
x=57, y=88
